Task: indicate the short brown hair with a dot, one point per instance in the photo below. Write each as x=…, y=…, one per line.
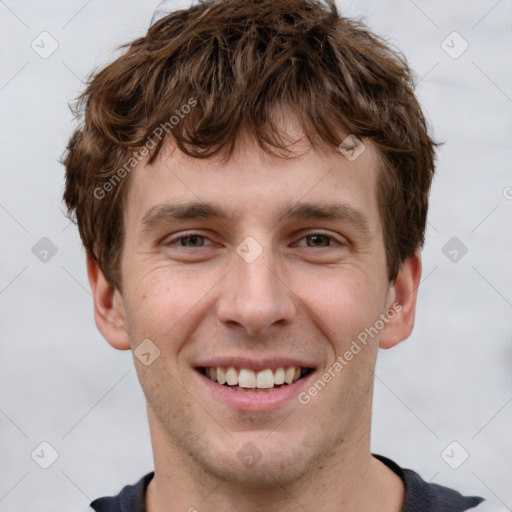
x=240, y=60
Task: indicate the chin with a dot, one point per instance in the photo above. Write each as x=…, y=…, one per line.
x=258, y=463
x=264, y=475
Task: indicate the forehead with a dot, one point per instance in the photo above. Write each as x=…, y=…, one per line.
x=254, y=184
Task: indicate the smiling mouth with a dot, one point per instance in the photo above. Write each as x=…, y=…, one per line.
x=243, y=379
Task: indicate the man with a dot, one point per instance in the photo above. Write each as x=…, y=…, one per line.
x=251, y=185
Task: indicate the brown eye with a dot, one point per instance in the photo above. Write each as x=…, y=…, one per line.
x=192, y=241
x=318, y=240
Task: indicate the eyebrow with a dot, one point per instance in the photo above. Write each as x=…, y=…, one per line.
x=167, y=212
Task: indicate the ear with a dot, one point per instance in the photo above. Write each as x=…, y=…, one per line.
x=108, y=308
x=401, y=303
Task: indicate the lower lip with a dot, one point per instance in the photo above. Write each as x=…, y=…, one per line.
x=255, y=401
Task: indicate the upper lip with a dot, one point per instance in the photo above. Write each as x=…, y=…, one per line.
x=254, y=364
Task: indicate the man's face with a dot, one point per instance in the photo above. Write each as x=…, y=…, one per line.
x=259, y=289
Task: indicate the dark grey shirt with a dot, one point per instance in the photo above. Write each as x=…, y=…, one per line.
x=420, y=496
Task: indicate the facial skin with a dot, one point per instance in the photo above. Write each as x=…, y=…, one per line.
x=304, y=296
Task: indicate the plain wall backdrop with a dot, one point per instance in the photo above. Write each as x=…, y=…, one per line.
x=61, y=383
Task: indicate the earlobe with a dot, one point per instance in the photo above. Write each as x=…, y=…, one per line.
x=402, y=302
x=108, y=308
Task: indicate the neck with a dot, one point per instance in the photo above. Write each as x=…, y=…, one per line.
x=349, y=479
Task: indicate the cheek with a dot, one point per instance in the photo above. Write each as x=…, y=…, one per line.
x=162, y=306
x=344, y=302
x=160, y=301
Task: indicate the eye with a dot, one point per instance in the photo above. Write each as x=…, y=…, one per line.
x=319, y=240
x=197, y=240
x=188, y=240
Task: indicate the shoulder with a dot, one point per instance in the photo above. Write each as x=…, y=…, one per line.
x=130, y=499
x=421, y=496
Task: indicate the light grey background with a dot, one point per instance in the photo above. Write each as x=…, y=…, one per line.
x=60, y=382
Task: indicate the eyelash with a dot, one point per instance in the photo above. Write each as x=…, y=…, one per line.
x=190, y=235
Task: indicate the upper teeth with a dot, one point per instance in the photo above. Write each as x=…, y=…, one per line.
x=246, y=378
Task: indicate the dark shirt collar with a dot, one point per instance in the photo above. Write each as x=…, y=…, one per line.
x=420, y=496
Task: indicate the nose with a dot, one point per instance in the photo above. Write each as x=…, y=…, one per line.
x=255, y=296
